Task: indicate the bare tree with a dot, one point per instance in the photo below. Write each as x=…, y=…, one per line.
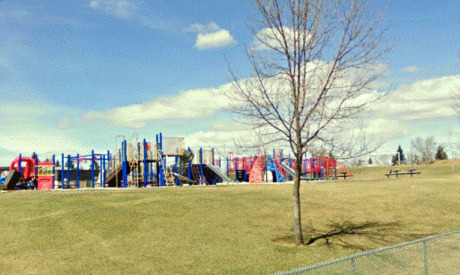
x=425, y=147
x=314, y=62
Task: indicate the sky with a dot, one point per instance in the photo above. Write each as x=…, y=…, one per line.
x=74, y=74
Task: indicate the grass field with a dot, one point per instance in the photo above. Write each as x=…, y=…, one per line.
x=233, y=229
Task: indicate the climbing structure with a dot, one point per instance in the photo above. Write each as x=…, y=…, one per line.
x=257, y=170
x=266, y=163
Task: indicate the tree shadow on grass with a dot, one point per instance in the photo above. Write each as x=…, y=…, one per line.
x=354, y=235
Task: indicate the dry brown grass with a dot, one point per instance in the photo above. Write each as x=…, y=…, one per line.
x=222, y=229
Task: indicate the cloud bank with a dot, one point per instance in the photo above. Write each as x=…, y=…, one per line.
x=192, y=104
x=431, y=98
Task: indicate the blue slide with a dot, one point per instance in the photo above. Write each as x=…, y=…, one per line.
x=271, y=166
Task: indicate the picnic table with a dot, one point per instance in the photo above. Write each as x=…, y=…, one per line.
x=343, y=175
x=397, y=173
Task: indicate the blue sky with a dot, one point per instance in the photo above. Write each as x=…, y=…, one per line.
x=74, y=74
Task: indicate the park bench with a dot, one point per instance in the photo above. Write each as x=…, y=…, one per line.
x=397, y=173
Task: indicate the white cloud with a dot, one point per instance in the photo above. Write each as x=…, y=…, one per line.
x=431, y=98
x=190, y=104
x=118, y=8
x=210, y=36
x=214, y=40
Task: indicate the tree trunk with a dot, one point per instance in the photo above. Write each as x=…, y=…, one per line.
x=298, y=234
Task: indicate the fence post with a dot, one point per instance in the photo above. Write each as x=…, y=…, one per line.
x=425, y=259
x=353, y=266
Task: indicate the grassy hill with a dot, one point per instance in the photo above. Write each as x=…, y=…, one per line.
x=234, y=229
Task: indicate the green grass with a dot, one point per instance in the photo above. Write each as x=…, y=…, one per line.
x=244, y=229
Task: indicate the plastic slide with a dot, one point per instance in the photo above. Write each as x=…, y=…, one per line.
x=11, y=180
x=218, y=172
x=185, y=179
x=271, y=166
x=288, y=169
x=346, y=171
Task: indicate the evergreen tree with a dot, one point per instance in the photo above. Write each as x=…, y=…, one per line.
x=440, y=154
x=399, y=156
x=370, y=161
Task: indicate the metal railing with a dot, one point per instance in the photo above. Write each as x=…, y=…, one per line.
x=438, y=254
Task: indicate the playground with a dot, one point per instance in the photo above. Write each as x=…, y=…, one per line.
x=164, y=162
x=228, y=229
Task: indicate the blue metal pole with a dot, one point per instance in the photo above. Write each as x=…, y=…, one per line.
x=62, y=171
x=189, y=170
x=176, y=162
x=161, y=175
x=54, y=170
x=77, y=181
x=68, y=171
x=125, y=164
x=92, y=168
x=157, y=142
x=36, y=165
x=157, y=139
x=102, y=170
x=201, y=166
x=20, y=163
x=145, y=164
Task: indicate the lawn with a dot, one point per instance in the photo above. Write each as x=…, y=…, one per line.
x=231, y=229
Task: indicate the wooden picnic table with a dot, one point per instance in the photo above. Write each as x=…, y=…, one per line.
x=343, y=175
x=394, y=172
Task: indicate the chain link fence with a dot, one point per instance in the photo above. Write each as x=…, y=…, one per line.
x=439, y=254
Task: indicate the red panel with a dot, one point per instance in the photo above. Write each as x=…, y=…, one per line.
x=45, y=183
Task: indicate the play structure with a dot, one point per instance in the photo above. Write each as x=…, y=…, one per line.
x=257, y=169
x=134, y=163
x=28, y=173
x=163, y=162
